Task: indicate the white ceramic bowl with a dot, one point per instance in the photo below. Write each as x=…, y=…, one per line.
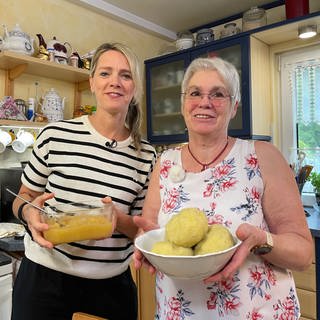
x=183, y=267
x=182, y=44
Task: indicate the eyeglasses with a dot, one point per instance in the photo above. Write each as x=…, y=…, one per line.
x=215, y=97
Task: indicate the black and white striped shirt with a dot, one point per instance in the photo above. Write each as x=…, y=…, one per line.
x=71, y=159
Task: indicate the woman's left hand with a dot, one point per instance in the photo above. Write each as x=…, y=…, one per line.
x=250, y=237
x=138, y=258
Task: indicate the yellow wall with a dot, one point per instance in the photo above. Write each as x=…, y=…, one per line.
x=82, y=28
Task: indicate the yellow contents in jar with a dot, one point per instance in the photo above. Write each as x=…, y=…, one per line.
x=77, y=228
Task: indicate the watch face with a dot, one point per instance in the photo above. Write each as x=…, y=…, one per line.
x=261, y=250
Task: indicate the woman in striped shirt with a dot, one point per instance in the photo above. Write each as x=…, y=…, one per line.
x=83, y=159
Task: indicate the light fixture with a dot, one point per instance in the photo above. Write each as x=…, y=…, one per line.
x=307, y=31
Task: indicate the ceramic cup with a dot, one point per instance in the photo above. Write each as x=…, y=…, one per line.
x=24, y=140
x=5, y=139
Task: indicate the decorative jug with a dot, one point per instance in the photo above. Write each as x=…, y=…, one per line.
x=59, y=49
x=43, y=53
x=17, y=41
x=52, y=105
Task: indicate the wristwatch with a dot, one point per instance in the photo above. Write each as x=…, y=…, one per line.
x=264, y=248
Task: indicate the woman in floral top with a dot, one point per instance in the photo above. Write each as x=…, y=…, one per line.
x=245, y=185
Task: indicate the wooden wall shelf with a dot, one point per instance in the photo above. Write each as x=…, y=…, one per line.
x=17, y=64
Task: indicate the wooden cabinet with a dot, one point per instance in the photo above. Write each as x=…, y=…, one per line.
x=305, y=283
x=307, y=291
x=15, y=64
x=145, y=283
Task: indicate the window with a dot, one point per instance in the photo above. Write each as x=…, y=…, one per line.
x=300, y=108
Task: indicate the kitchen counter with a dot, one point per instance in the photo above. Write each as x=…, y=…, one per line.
x=314, y=225
x=313, y=221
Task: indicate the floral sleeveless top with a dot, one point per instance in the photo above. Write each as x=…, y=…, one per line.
x=229, y=194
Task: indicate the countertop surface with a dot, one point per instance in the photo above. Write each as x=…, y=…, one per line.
x=11, y=244
x=313, y=221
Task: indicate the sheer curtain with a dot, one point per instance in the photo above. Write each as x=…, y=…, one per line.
x=305, y=78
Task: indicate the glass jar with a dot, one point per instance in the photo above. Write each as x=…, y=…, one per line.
x=229, y=29
x=204, y=36
x=254, y=18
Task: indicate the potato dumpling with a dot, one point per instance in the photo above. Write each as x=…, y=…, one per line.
x=169, y=249
x=187, y=228
x=218, y=238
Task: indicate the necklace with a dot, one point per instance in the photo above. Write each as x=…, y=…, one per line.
x=206, y=165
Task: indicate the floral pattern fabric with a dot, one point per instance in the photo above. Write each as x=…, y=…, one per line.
x=230, y=194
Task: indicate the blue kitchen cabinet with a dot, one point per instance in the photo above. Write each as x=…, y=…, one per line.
x=165, y=124
x=237, y=52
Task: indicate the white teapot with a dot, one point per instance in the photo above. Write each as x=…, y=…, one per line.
x=53, y=105
x=17, y=41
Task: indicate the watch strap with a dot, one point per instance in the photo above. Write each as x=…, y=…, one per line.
x=264, y=248
x=269, y=239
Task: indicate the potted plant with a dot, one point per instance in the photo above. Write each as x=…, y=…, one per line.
x=314, y=178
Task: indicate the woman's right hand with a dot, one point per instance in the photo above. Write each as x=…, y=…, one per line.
x=138, y=258
x=33, y=218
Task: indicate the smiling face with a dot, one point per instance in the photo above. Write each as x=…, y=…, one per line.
x=112, y=83
x=204, y=115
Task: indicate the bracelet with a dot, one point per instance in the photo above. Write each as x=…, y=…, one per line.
x=20, y=216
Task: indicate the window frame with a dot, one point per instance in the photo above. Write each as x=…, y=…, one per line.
x=287, y=132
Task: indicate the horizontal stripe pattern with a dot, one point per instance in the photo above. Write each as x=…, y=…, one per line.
x=72, y=160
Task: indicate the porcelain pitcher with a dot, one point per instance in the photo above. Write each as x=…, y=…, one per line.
x=53, y=105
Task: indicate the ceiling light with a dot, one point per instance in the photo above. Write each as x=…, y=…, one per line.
x=307, y=31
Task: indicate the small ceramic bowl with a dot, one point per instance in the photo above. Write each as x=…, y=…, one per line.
x=184, y=43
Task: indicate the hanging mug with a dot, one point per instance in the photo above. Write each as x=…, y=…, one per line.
x=5, y=139
x=24, y=140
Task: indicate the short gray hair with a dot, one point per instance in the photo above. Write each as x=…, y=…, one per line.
x=226, y=70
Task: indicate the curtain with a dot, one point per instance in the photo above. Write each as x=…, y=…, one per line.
x=305, y=89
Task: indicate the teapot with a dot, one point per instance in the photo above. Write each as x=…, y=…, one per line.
x=59, y=49
x=52, y=105
x=17, y=41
